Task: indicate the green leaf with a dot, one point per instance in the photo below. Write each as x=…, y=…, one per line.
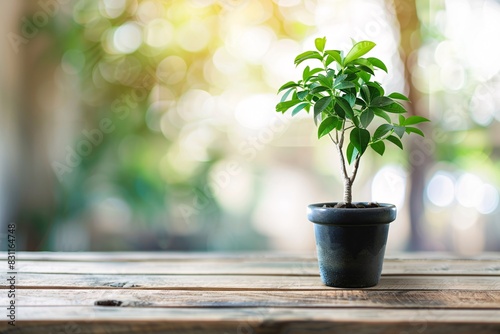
x=394, y=108
x=381, y=131
x=365, y=93
x=364, y=62
x=351, y=153
x=319, y=89
x=415, y=120
x=299, y=108
x=360, y=139
x=381, y=101
x=335, y=55
x=360, y=102
x=340, y=79
x=401, y=120
x=307, y=55
x=366, y=117
x=330, y=73
x=302, y=94
x=287, y=93
x=340, y=125
x=382, y=114
x=325, y=81
x=314, y=71
x=346, y=107
x=352, y=77
x=410, y=129
x=398, y=96
x=395, y=140
x=375, y=89
x=364, y=76
x=351, y=98
x=377, y=63
x=339, y=111
x=344, y=85
x=305, y=73
x=358, y=50
x=327, y=126
x=288, y=85
x=284, y=106
x=321, y=105
x=366, y=69
x=378, y=147
x=320, y=43
x=355, y=120
x=399, y=130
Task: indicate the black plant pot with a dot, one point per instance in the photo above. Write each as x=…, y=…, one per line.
x=350, y=243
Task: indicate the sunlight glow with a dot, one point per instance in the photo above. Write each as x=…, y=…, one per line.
x=193, y=36
x=251, y=44
x=489, y=199
x=482, y=106
x=441, y=189
x=127, y=38
x=472, y=28
x=468, y=190
x=112, y=8
x=389, y=185
x=159, y=33
x=253, y=112
x=171, y=70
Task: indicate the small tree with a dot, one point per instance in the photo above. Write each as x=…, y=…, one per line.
x=345, y=101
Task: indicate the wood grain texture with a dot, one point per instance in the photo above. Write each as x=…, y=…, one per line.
x=162, y=256
x=332, y=298
x=226, y=257
x=77, y=293
x=210, y=266
x=247, y=282
x=101, y=320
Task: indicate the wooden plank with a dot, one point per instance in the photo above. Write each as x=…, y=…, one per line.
x=225, y=256
x=214, y=267
x=100, y=320
x=333, y=298
x=228, y=282
x=162, y=256
x=260, y=293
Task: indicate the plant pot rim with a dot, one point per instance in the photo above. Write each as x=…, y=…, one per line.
x=319, y=214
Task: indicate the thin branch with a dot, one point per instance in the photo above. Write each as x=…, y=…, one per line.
x=341, y=140
x=355, y=169
x=333, y=140
x=341, y=153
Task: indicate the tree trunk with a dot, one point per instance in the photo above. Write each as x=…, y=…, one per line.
x=347, y=191
x=32, y=207
x=420, y=159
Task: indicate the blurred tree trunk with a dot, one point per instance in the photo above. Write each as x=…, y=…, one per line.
x=420, y=154
x=32, y=179
x=9, y=134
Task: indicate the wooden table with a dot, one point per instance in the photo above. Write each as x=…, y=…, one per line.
x=76, y=293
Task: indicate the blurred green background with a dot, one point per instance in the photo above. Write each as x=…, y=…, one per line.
x=150, y=124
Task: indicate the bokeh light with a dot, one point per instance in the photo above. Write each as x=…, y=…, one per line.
x=127, y=38
x=469, y=190
x=389, y=186
x=489, y=199
x=441, y=189
x=159, y=33
x=112, y=8
x=189, y=88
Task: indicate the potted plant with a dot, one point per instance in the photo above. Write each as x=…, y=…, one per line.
x=353, y=110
